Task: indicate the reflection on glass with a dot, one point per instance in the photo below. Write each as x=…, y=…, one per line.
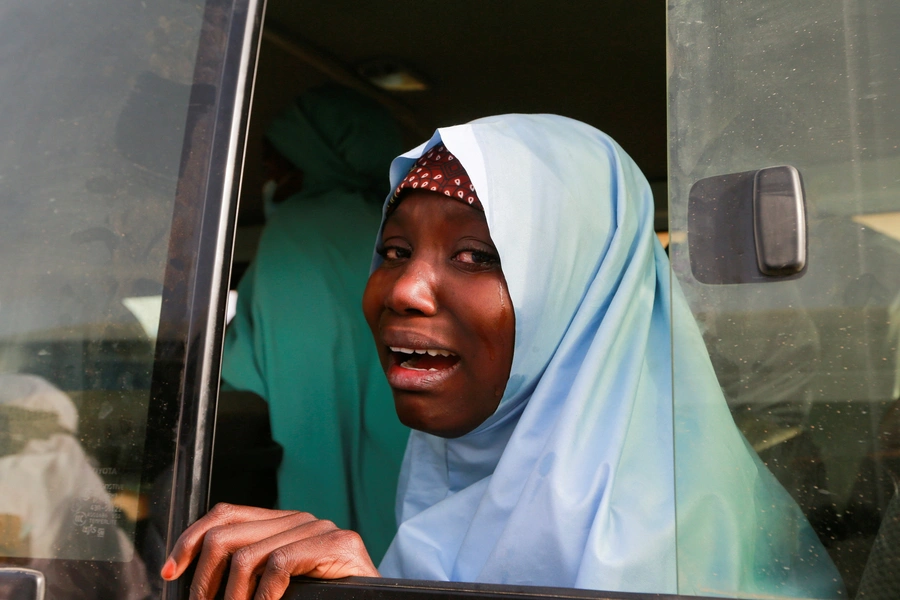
x=809, y=367
x=53, y=502
x=92, y=123
x=146, y=310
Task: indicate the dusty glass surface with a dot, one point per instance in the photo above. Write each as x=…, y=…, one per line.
x=92, y=118
x=809, y=366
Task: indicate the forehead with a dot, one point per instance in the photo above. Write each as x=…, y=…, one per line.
x=419, y=208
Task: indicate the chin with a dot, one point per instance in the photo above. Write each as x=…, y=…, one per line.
x=412, y=414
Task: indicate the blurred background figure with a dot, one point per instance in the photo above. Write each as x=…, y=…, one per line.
x=299, y=339
x=53, y=504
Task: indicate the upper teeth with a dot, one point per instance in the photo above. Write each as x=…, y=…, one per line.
x=429, y=351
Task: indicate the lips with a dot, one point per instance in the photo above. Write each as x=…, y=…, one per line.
x=423, y=359
x=418, y=365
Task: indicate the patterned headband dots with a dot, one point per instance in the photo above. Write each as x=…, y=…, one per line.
x=438, y=171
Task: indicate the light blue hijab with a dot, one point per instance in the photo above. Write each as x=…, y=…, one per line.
x=573, y=481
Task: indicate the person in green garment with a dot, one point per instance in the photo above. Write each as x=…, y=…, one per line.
x=299, y=338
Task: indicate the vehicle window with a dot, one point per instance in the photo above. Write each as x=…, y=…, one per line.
x=106, y=145
x=808, y=365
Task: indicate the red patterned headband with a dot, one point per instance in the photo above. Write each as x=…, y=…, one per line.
x=438, y=171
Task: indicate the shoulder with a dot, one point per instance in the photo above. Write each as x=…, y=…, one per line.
x=324, y=237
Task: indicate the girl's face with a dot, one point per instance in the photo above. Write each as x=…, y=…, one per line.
x=441, y=315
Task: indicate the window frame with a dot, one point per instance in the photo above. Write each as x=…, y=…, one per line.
x=187, y=361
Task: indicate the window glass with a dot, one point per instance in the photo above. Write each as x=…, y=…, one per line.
x=808, y=366
x=92, y=122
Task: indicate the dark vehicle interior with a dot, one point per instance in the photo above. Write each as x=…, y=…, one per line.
x=600, y=63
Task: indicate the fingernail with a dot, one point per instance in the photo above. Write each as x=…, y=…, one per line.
x=168, y=570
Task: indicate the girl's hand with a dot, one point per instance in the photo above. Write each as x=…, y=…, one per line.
x=271, y=545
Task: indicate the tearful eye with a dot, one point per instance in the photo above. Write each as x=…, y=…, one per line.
x=477, y=257
x=390, y=253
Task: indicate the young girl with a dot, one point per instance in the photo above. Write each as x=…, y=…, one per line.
x=523, y=313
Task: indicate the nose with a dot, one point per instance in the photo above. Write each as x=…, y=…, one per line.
x=413, y=292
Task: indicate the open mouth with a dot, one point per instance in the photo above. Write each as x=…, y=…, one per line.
x=423, y=359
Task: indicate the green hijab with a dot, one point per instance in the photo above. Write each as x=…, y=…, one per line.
x=299, y=339
x=339, y=139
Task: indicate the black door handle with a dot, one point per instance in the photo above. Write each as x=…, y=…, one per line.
x=779, y=221
x=748, y=227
